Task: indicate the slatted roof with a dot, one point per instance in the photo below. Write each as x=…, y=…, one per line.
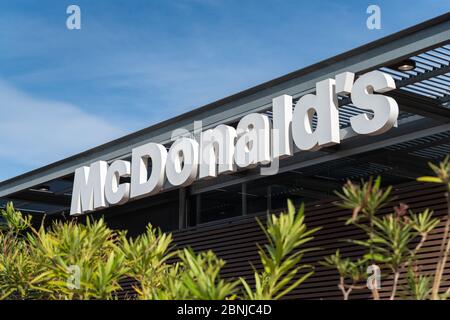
x=431, y=76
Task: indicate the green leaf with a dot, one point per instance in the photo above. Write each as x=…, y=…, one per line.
x=430, y=179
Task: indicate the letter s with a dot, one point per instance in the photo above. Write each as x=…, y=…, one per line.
x=385, y=109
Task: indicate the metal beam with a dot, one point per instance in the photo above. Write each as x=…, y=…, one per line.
x=244, y=198
x=42, y=197
x=444, y=99
x=423, y=76
x=423, y=106
x=415, y=104
x=182, y=209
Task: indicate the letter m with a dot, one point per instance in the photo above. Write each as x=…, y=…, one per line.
x=88, y=192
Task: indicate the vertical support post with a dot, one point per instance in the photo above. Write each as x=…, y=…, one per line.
x=269, y=198
x=188, y=208
x=182, y=208
x=244, y=198
x=198, y=209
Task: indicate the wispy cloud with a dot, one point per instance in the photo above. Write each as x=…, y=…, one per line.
x=35, y=131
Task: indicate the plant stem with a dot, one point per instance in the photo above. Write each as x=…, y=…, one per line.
x=423, y=239
x=420, y=244
x=443, y=254
x=394, y=285
x=375, y=294
x=347, y=289
x=341, y=286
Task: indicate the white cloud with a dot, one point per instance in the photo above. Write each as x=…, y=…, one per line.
x=35, y=132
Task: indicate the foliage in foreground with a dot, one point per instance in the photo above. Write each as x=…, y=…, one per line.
x=87, y=261
x=281, y=260
x=393, y=240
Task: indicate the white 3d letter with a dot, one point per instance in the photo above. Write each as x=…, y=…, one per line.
x=282, y=145
x=324, y=104
x=253, y=144
x=217, y=147
x=140, y=185
x=182, y=162
x=89, y=188
x=116, y=192
x=385, y=109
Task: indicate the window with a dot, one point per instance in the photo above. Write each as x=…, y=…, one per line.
x=219, y=204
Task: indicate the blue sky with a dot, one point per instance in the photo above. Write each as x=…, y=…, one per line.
x=135, y=62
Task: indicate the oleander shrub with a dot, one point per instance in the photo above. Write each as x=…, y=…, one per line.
x=70, y=260
x=392, y=241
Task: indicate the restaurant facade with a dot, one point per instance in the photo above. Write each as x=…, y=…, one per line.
x=382, y=109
